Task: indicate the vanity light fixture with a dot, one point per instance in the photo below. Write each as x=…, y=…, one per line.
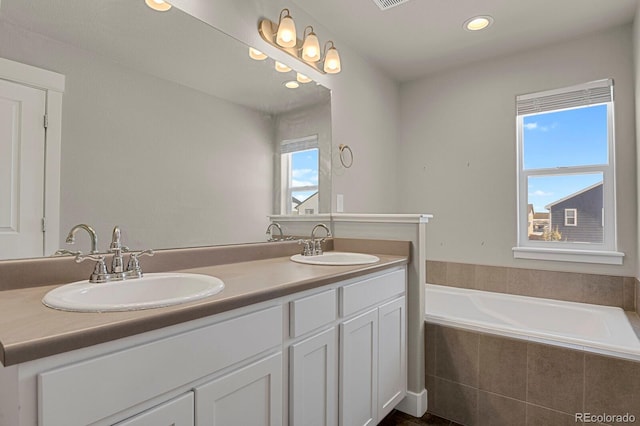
x=256, y=54
x=310, y=46
x=286, y=34
x=159, y=5
x=478, y=23
x=303, y=78
x=280, y=67
x=292, y=84
x=331, y=59
x=282, y=35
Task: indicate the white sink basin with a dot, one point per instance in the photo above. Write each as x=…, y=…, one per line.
x=150, y=291
x=336, y=258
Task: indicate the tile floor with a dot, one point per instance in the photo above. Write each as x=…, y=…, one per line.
x=398, y=418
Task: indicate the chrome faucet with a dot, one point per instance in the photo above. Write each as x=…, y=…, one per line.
x=116, y=247
x=270, y=232
x=101, y=273
x=313, y=247
x=71, y=237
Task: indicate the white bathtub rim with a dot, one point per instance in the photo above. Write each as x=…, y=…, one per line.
x=535, y=336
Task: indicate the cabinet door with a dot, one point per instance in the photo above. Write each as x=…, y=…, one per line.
x=314, y=387
x=392, y=355
x=251, y=395
x=177, y=412
x=359, y=370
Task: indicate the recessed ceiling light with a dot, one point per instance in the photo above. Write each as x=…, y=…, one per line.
x=280, y=67
x=159, y=5
x=478, y=23
x=292, y=84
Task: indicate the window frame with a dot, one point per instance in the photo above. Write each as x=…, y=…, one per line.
x=575, y=217
x=287, y=148
x=605, y=252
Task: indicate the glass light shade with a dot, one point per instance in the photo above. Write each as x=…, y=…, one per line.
x=280, y=67
x=292, y=84
x=332, y=61
x=256, y=54
x=303, y=78
x=286, y=36
x=159, y=5
x=311, y=48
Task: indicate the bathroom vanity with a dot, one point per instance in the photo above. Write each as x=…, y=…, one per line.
x=284, y=343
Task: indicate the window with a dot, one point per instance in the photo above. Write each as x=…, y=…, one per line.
x=565, y=170
x=299, y=161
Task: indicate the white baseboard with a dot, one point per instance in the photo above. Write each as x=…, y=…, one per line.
x=414, y=404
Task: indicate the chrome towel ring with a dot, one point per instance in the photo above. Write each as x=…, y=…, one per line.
x=346, y=155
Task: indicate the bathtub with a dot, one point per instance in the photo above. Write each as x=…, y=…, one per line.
x=592, y=328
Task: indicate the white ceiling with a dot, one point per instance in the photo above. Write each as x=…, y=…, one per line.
x=423, y=36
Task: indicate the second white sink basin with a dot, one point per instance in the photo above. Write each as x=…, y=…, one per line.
x=151, y=291
x=336, y=258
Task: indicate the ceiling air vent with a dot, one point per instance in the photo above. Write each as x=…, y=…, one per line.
x=388, y=4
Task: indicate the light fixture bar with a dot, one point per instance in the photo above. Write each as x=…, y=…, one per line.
x=268, y=30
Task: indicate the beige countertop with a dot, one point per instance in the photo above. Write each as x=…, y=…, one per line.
x=29, y=330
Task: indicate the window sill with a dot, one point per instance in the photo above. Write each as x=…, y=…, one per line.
x=565, y=255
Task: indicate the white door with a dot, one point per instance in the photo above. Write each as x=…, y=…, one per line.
x=359, y=370
x=251, y=395
x=314, y=387
x=22, y=150
x=392, y=355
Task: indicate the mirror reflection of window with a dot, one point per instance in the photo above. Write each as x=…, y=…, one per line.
x=299, y=183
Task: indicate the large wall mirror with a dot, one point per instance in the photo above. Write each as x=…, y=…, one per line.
x=169, y=129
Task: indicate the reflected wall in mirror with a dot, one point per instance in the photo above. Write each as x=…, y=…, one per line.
x=169, y=129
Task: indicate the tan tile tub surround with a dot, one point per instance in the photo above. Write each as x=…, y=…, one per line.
x=610, y=290
x=480, y=379
x=29, y=330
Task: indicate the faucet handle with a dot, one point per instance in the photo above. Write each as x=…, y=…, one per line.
x=134, y=262
x=307, y=249
x=64, y=252
x=99, y=274
x=99, y=257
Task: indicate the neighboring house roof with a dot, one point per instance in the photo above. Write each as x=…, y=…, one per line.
x=548, y=206
x=541, y=216
x=530, y=209
x=295, y=201
x=308, y=199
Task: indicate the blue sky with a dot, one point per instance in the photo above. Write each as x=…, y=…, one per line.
x=304, y=171
x=574, y=137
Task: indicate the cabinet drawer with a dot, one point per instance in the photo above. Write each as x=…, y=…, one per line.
x=312, y=312
x=91, y=390
x=358, y=296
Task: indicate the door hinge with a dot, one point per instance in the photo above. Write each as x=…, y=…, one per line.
x=44, y=224
x=45, y=122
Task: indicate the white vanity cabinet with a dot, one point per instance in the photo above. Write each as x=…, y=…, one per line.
x=373, y=358
x=107, y=388
x=313, y=362
x=333, y=355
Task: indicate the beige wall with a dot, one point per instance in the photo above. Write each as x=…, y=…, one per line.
x=458, y=149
